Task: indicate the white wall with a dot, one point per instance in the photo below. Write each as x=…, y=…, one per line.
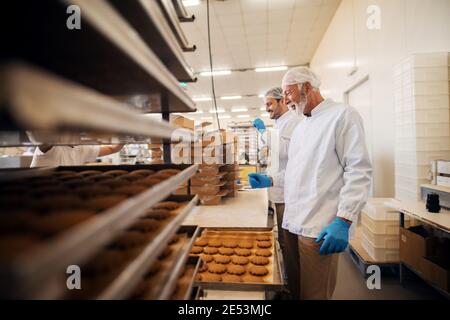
x=407, y=26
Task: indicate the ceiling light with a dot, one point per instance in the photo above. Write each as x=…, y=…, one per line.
x=215, y=73
x=206, y=118
x=261, y=96
x=241, y=109
x=262, y=108
x=243, y=116
x=190, y=3
x=270, y=69
x=265, y=115
x=231, y=98
x=218, y=111
x=225, y=116
x=200, y=99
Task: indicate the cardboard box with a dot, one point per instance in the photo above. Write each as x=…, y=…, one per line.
x=202, y=180
x=182, y=122
x=437, y=271
x=207, y=189
x=415, y=244
x=215, y=200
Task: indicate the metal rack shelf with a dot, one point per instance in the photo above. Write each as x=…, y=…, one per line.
x=183, y=16
x=32, y=99
x=155, y=29
x=106, y=54
x=79, y=243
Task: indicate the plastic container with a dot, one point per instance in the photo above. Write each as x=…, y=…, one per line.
x=376, y=209
x=386, y=227
x=379, y=254
x=381, y=241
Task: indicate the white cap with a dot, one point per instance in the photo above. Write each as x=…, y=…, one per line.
x=275, y=93
x=300, y=75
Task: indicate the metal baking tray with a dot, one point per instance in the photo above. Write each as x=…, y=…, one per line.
x=183, y=16
x=129, y=277
x=24, y=277
x=278, y=279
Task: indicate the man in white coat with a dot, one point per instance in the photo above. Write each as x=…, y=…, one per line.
x=327, y=180
x=285, y=122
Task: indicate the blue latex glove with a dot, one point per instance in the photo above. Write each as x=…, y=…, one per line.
x=259, y=181
x=259, y=125
x=335, y=237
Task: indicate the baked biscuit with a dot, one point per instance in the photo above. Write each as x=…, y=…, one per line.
x=245, y=244
x=115, y=173
x=201, y=242
x=196, y=250
x=231, y=278
x=249, y=278
x=216, y=268
x=263, y=237
x=263, y=252
x=258, y=271
x=102, y=203
x=207, y=257
x=235, y=269
x=114, y=183
x=226, y=251
x=215, y=243
x=87, y=173
x=242, y=261
x=203, y=268
x=259, y=261
x=230, y=243
x=222, y=259
x=210, y=250
x=130, y=190
x=264, y=244
x=141, y=172
x=149, y=181
x=242, y=252
x=208, y=276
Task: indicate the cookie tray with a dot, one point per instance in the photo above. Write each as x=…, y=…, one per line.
x=278, y=283
x=125, y=282
x=32, y=275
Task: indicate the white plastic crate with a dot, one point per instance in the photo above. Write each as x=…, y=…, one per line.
x=376, y=209
x=379, y=254
x=416, y=172
x=387, y=227
x=381, y=241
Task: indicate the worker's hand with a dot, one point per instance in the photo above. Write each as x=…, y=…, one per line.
x=335, y=237
x=259, y=125
x=259, y=181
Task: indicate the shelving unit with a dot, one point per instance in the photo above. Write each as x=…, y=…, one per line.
x=248, y=141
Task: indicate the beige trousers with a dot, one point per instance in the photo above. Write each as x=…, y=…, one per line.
x=317, y=273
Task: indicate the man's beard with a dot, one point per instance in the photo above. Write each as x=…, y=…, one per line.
x=299, y=107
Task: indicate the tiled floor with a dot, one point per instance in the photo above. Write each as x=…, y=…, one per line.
x=351, y=285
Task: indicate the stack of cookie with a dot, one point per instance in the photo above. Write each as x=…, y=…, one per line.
x=235, y=256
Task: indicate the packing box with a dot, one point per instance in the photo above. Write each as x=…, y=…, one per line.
x=415, y=244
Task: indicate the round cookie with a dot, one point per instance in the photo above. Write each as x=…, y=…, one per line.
x=236, y=270
x=258, y=271
x=115, y=173
x=97, y=178
x=242, y=252
x=87, y=173
x=129, y=178
x=208, y=276
x=263, y=252
x=216, y=268
x=231, y=278
x=113, y=183
x=102, y=203
x=210, y=250
x=203, y=267
x=201, y=242
x=259, y=261
x=264, y=244
x=226, y=251
x=222, y=259
x=149, y=181
x=250, y=278
x=230, y=243
x=141, y=172
x=157, y=214
x=242, y=261
x=263, y=237
x=215, y=243
x=245, y=244
x=169, y=171
x=130, y=190
x=196, y=250
x=147, y=225
x=207, y=257
x=169, y=205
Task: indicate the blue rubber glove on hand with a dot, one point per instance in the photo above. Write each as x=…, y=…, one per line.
x=335, y=237
x=259, y=125
x=259, y=181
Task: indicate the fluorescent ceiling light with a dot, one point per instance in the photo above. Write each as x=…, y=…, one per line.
x=206, y=118
x=270, y=69
x=200, y=99
x=215, y=73
x=218, y=111
x=225, y=116
x=262, y=108
x=240, y=109
x=231, y=98
x=265, y=115
x=191, y=3
x=243, y=116
x=261, y=96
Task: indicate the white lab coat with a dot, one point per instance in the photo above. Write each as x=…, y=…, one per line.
x=65, y=156
x=328, y=172
x=281, y=137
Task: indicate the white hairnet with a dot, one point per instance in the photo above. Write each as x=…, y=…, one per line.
x=275, y=93
x=300, y=75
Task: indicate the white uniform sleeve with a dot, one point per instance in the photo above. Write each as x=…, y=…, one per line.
x=89, y=153
x=352, y=153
